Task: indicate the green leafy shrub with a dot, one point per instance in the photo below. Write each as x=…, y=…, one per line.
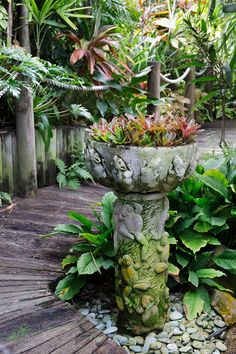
x=70, y=176
x=201, y=228
x=91, y=256
x=145, y=131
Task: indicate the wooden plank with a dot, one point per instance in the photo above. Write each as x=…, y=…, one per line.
x=80, y=137
x=32, y=319
x=51, y=154
x=7, y=163
x=1, y=163
x=44, y=341
x=59, y=143
x=109, y=347
x=16, y=186
x=40, y=158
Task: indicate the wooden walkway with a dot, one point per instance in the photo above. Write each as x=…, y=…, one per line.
x=32, y=319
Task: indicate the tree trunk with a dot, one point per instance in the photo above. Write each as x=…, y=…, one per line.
x=190, y=93
x=154, y=88
x=9, y=24
x=25, y=132
x=24, y=28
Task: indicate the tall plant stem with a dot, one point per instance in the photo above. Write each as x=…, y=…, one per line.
x=9, y=24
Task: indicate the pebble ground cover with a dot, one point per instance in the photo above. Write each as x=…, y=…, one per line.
x=178, y=336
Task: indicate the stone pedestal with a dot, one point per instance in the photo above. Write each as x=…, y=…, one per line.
x=141, y=178
x=142, y=251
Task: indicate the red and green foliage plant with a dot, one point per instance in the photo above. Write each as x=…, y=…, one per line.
x=145, y=131
x=95, y=51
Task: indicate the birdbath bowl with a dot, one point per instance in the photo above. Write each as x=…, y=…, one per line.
x=141, y=177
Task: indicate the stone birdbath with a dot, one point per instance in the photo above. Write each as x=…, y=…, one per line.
x=141, y=177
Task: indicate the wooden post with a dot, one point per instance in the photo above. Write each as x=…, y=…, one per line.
x=25, y=132
x=190, y=92
x=25, y=135
x=154, y=87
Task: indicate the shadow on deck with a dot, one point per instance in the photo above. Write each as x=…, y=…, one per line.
x=32, y=319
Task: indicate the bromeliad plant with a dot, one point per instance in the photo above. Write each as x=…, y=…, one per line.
x=92, y=255
x=145, y=131
x=202, y=231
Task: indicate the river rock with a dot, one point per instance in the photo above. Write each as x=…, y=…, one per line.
x=221, y=346
x=185, y=349
x=219, y=323
x=136, y=348
x=110, y=330
x=176, y=315
x=197, y=344
x=172, y=347
x=156, y=345
x=197, y=336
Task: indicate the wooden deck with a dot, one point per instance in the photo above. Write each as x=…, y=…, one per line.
x=32, y=319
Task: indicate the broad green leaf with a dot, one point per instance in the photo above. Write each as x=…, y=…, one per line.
x=216, y=184
x=182, y=259
x=205, y=297
x=173, y=270
x=209, y=273
x=172, y=240
x=233, y=60
x=226, y=260
x=201, y=261
x=214, y=284
x=213, y=241
x=193, y=240
x=68, y=287
x=68, y=228
x=205, y=79
x=193, y=304
x=193, y=278
x=214, y=172
x=96, y=239
x=107, y=264
x=202, y=226
x=87, y=264
x=81, y=218
x=68, y=260
x=102, y=107
x=83, y=247
x=206, y=98
x=107, y=208
x=72, y=270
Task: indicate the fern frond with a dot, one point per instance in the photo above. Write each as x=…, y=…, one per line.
x=84, y=174
x=73, y=183
x=61, y=180
x=60, y=165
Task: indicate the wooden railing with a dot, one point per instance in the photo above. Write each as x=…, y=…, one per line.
x=61, y=146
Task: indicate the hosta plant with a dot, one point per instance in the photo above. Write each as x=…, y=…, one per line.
x=145, y=131
x=92, y=255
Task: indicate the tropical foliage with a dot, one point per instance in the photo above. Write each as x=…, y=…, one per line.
x=145, y=131
x=70, y=176
x=93, y=255
x=202, y=230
